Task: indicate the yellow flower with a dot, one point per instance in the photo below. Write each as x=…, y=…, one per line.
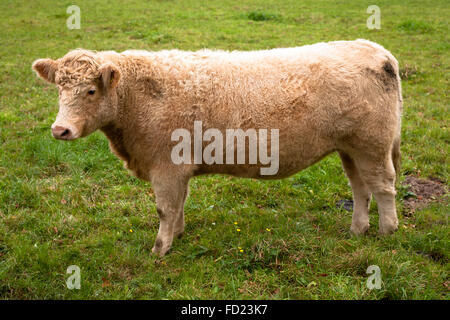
x=238, y=230
x=235, y=223
x=131, y=230
x=268, y=229
x=241, y=250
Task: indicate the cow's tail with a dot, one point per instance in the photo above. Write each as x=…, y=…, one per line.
x=396, y=155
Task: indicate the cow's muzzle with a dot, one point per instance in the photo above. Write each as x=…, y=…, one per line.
x=62, y=133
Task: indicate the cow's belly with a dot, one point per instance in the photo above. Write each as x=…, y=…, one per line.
x=287, y=166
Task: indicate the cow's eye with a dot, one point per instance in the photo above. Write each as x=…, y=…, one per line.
x=91, y=92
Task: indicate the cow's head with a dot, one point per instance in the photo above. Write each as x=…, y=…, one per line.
x=87, y=95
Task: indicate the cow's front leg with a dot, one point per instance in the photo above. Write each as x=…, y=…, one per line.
x=170, y=195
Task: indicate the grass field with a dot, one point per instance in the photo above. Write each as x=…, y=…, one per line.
x=65, y=204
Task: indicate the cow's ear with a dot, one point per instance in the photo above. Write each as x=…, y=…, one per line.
x=46, y=69
x=110, y=76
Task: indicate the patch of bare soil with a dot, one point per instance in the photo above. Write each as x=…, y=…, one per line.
x=421, y=192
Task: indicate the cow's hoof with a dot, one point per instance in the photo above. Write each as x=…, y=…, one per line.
x=388, y=228
x=160, y=252
x=159, y=248
x=359, y=229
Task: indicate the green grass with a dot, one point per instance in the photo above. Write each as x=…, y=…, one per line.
x=73, y=203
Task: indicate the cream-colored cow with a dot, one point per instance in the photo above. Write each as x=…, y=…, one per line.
x=342, y=96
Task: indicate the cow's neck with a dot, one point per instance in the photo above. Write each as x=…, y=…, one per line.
x=116, y=137
x=122, y=132
x=115, y=131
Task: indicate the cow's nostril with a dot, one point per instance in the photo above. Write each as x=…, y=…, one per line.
x=61, y=132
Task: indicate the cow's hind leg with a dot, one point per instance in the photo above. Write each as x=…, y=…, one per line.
x=179, y=221
x=170, y=194
x=378, y=173
x=361, y=196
